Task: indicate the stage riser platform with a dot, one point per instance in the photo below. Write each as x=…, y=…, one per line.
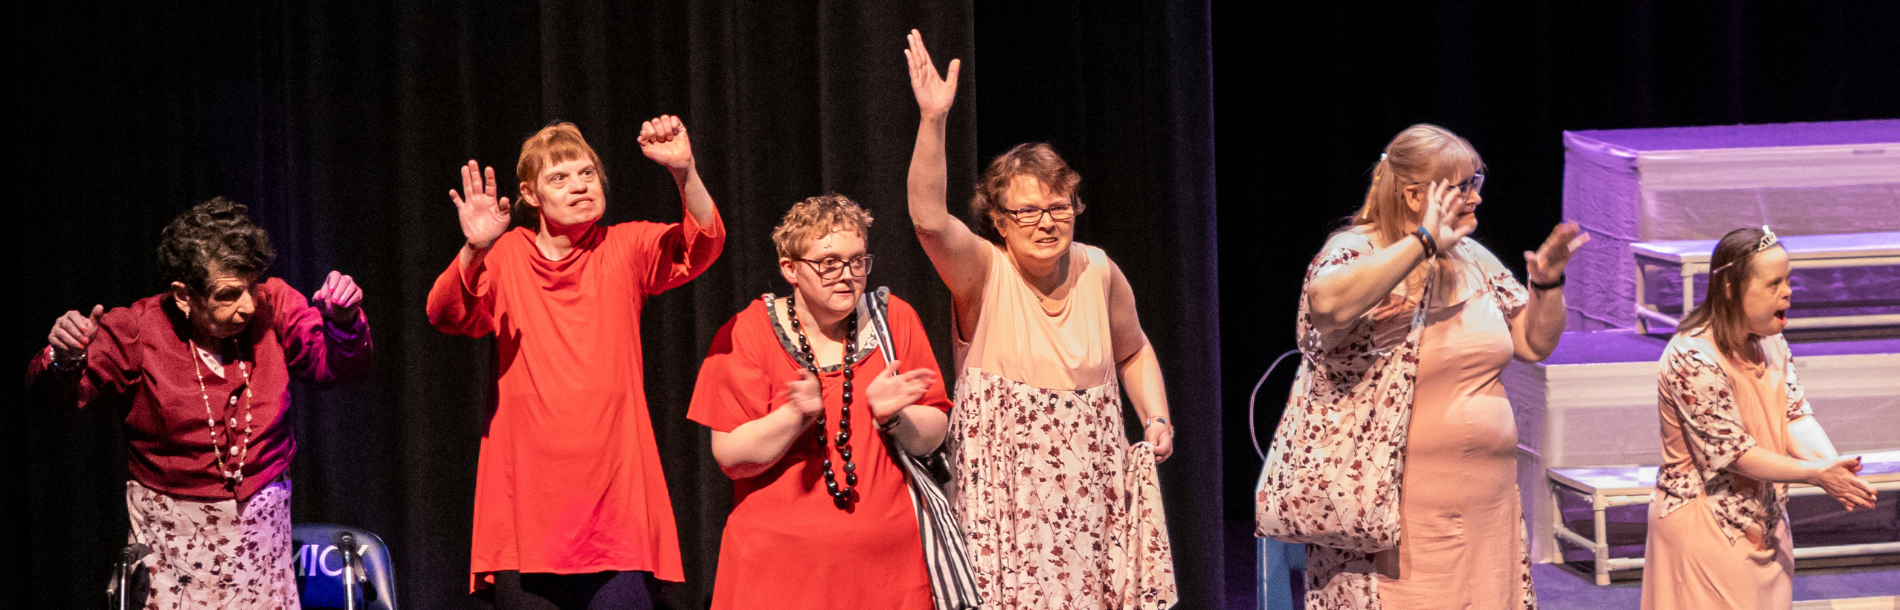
x=1604, y=414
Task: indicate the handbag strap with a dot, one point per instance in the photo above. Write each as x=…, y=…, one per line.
x=952, y=579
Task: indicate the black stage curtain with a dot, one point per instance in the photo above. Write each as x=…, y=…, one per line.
x=1309, y=93
x=342, y=128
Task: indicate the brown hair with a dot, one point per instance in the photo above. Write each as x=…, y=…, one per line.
x=217, y=233
x=1721, y=311
x=1422, y=153
x=555, y=144
x=816, y=217
x=1036, y=159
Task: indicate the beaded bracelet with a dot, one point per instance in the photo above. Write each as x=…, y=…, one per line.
x=1425, y=239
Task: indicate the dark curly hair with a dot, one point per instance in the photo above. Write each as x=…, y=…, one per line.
x=1030, y=159
x=217, y=233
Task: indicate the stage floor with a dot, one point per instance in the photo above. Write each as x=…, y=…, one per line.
x=1561, y=588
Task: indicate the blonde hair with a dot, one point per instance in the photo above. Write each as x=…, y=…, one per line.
x=555, y=144
x=1420, y=154
x=1035, y=159
x=816, y=217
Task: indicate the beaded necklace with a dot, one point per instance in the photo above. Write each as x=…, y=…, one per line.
x=239, y=451
x=842, y=496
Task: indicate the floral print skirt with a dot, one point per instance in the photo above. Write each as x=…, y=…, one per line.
x=225, y=554
x=1058, y=509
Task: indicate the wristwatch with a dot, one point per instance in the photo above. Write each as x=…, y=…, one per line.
x=1158, y=419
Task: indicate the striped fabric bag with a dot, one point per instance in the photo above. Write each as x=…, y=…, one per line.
x=952, y=581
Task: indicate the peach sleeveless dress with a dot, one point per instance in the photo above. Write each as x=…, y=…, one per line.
x=1059, y=511
x=1462, y=537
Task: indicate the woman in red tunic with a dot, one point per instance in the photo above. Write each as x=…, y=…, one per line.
x=797, y=394
x=568, y=491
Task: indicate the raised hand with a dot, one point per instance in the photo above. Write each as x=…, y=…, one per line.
x=1439, y=215
x=664, y=140
x=484, y=218
x=1547, y=264
x=802, y=396
x=891, y=391
x=934, y=93
x=1841, y=479
x=339, y=299
x=72, y=332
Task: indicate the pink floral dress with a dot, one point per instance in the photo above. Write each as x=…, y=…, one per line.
x=1334, y=471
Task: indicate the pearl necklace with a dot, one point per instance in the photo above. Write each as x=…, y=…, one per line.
x=239, y=451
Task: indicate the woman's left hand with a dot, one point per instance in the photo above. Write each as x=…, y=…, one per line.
x=1547, y=264
x=339, y=298
x=891, y=391
x=664, y=140
x=1161, y=436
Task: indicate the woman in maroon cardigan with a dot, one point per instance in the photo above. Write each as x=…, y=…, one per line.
x=201, y=373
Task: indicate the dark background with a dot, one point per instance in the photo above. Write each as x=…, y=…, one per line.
x=342, y=126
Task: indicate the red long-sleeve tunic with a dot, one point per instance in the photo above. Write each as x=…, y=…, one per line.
x=569, y=478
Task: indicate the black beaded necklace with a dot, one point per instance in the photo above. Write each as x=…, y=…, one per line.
x=841, y=496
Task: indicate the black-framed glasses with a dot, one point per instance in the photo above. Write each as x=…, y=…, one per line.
x=1061, y=212
x=831, y=268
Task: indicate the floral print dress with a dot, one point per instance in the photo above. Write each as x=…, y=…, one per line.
x=1059, y=510
x=1334, y=473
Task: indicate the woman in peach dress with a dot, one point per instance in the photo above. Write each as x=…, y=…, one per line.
x=1736, y=428
x=1407, y=324
x=1058, y=510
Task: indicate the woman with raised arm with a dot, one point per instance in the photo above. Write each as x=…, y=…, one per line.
x=1406, y=325
x=1059, y=510
x=201, y=374
x=821, y=513
x=570, y=501
x=1736, y=429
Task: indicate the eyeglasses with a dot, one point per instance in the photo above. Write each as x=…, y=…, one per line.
x=1032, y=216
x=1471, y=185
x=831, y=268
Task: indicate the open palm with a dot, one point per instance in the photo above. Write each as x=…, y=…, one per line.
x=934, y=93
x=484, y=217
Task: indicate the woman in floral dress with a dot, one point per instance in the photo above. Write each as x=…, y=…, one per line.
x=1059, y=510
x=1406, y=326
x=1736, y=428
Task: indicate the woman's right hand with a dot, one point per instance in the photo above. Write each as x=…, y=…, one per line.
x=934, y=93
x=1841, y=479
x=72, y=332
x=484, y=218
x=802, y=396
x=1440, y=216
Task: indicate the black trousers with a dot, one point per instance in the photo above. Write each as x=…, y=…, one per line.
x=597, y=591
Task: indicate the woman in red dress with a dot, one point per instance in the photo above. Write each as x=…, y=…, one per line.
x=796, y=395
x=570, y=502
